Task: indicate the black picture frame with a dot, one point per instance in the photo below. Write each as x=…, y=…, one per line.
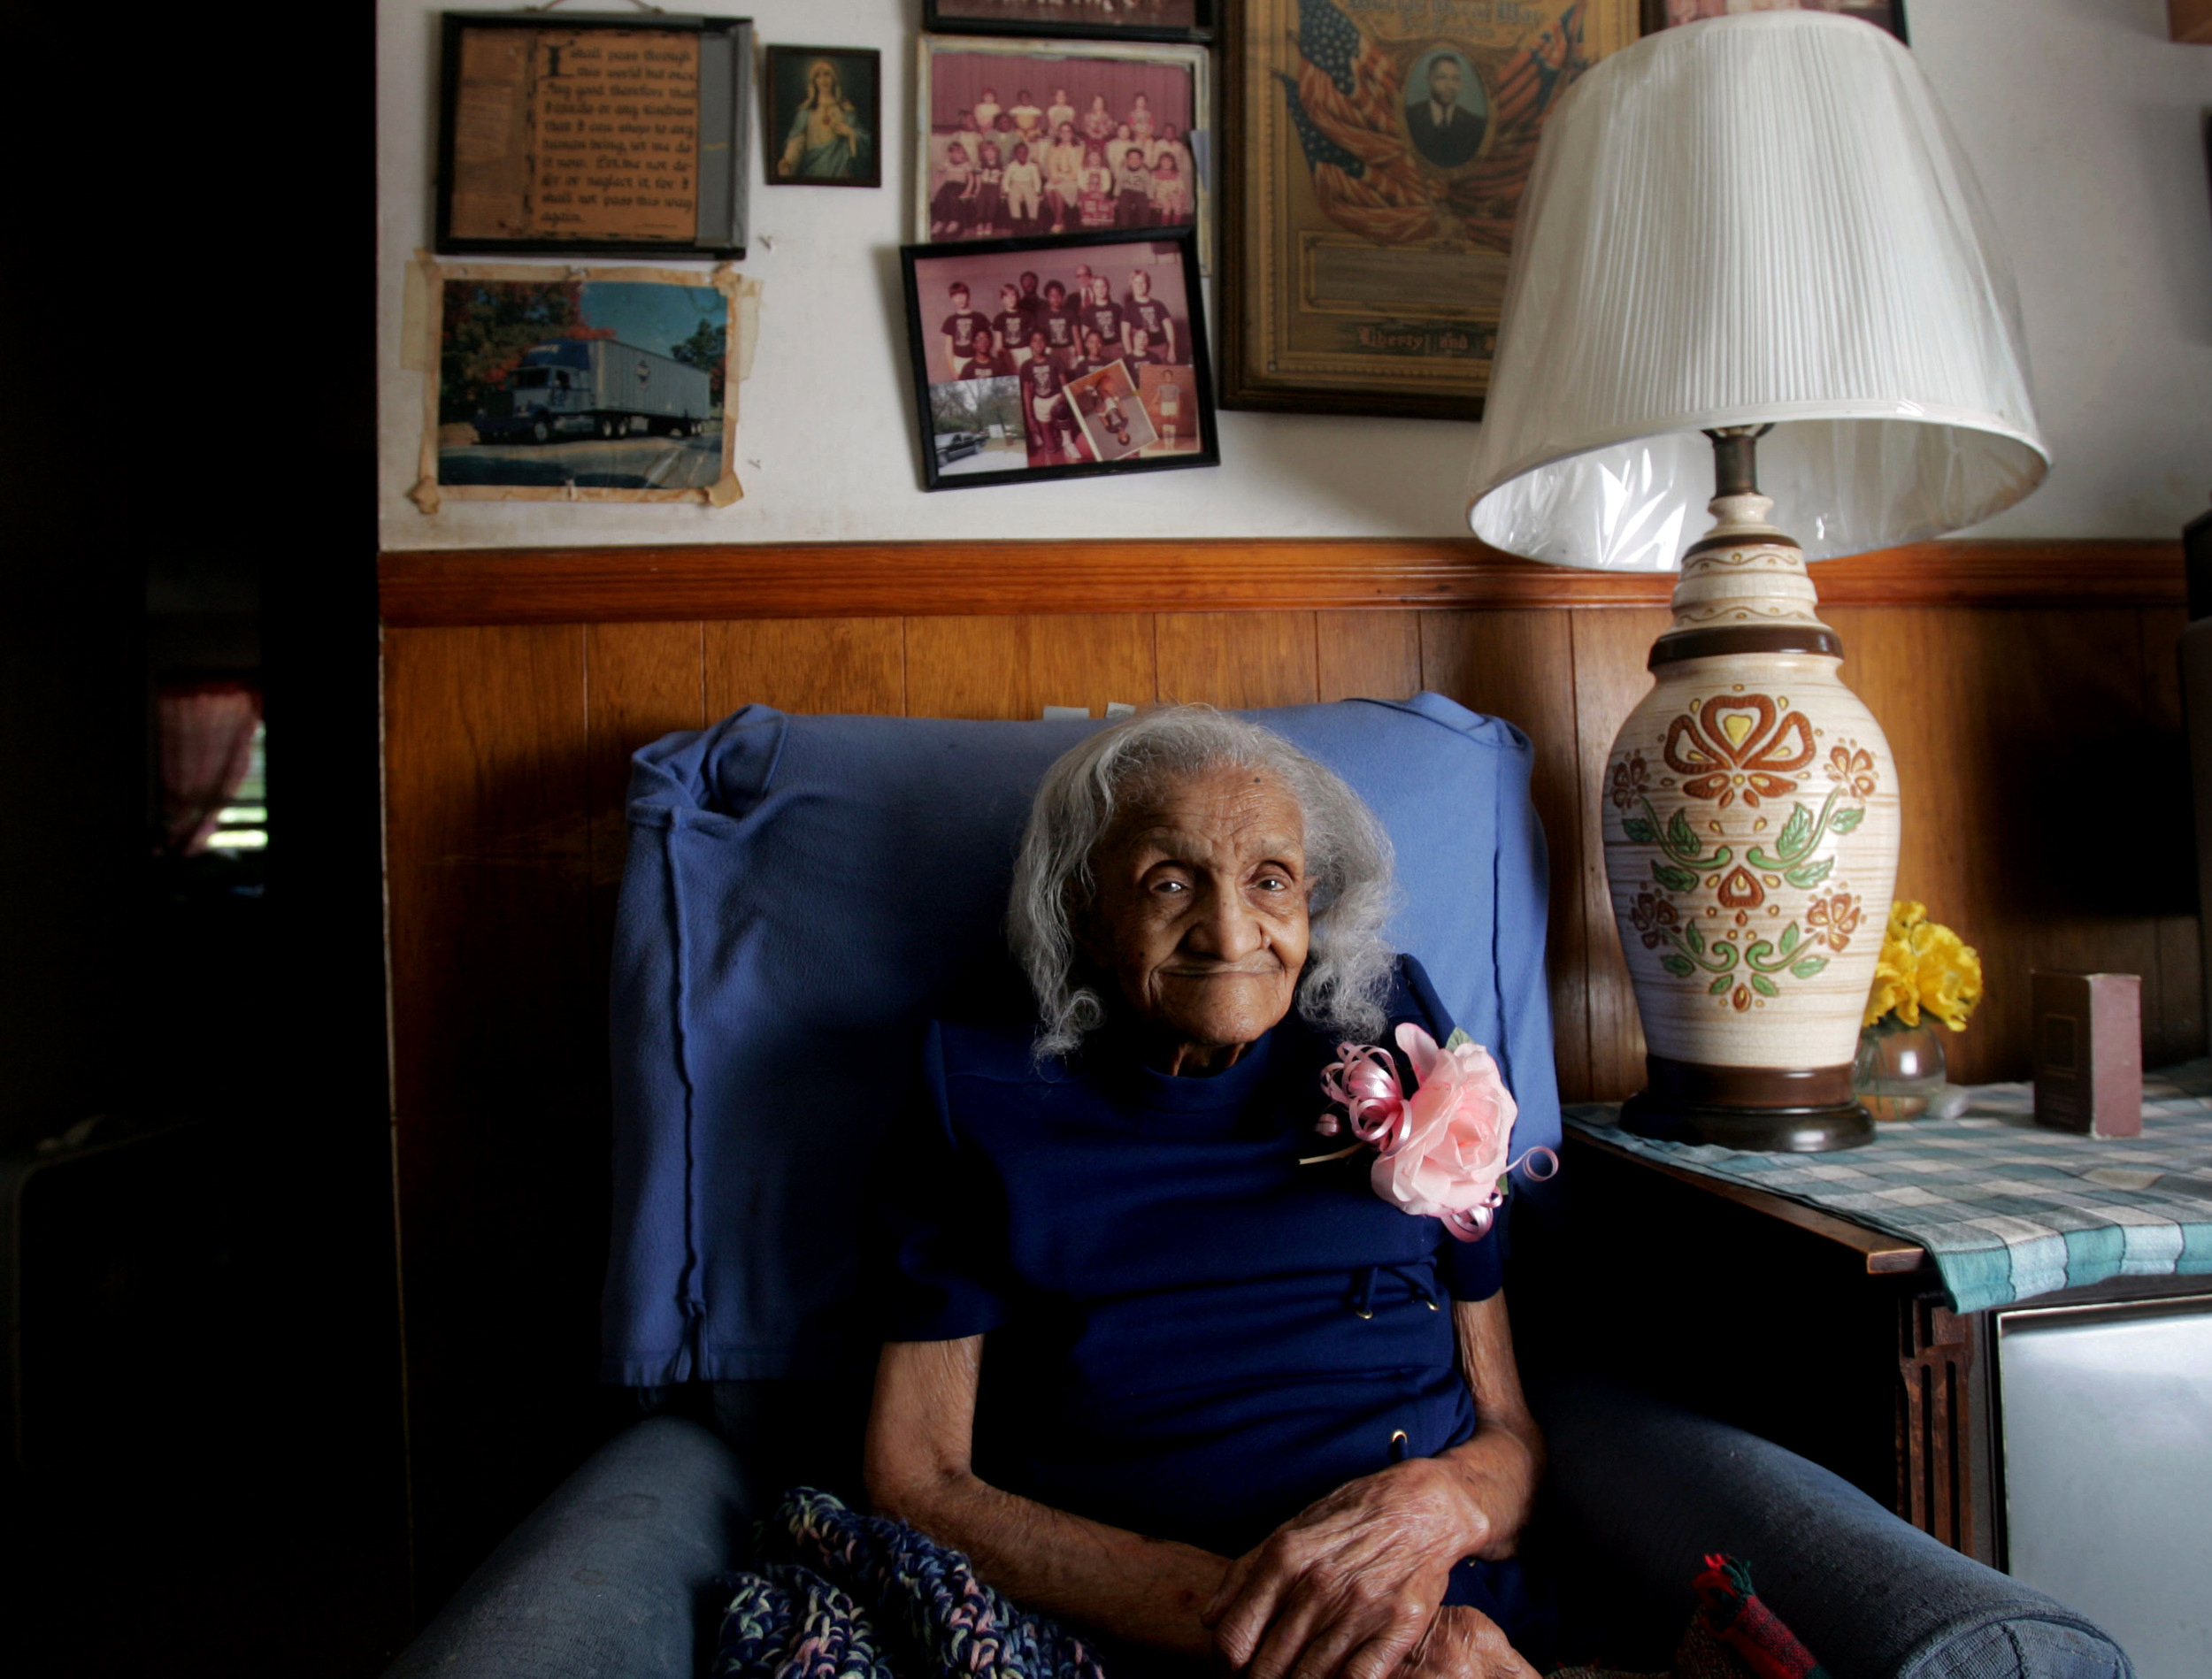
x=1015, y=18
x=775, y=121
x=1655, y=17
x=723, y=165
x=917, y=261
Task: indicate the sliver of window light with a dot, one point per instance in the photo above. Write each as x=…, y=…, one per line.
x=243, y=823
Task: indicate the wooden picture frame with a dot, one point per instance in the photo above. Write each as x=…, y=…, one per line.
x=1883, y=14
x=1104, y=407
x=852, y=157
x=1157, y=20
x=1370, y=278
x=594, y=135
x=1176, y=81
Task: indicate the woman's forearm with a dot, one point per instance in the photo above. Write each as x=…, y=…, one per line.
x=1504, y=1462
x=1500, y=1467
x=920, y=1470
x=1148, y=1591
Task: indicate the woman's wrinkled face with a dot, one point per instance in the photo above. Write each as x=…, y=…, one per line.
x=1200, y=912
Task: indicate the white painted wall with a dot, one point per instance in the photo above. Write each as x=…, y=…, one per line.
x=2084, y=120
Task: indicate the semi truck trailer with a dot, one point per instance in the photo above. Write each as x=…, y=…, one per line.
x=594, y=386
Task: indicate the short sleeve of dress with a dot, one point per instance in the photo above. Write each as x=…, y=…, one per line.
x=938, y=1224
x=1469, y=1270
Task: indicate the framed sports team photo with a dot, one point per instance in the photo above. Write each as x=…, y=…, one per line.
x=1059, y=359
x=824, y=112
x=1020, y=140
x=1096, y=20
x=1667, y=14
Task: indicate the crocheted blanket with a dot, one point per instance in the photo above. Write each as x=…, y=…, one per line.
x=836, y=1595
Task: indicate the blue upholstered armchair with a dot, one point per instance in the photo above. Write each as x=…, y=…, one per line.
x=801, y=894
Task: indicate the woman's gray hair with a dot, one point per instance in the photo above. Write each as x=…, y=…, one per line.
x=1347, y=977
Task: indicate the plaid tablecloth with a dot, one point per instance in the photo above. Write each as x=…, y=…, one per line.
x=2005, y=1210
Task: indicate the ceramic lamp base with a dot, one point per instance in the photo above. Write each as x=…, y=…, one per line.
x=1750, y=819
x=1790, y=1110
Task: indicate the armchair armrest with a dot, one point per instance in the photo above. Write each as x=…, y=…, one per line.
x=1640, y=1492
x=609, y=1576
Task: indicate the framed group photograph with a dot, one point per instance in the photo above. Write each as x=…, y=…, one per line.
x=1376, y=154
x=1667, y=14
x=823, y=116
x=594, y=135
x=1019, y=140
x=1059, y=359
x=1096, y=20
x=551, y=384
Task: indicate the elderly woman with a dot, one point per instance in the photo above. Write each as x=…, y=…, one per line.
x=1153, y=1367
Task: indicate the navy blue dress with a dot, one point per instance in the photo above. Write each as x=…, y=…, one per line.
x=1190, y=1335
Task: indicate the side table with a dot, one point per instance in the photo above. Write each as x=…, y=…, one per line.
x=1817, y=1331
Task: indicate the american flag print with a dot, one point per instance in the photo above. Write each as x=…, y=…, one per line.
x=1346, y=104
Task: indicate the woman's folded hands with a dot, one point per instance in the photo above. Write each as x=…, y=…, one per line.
x=1350, y=1587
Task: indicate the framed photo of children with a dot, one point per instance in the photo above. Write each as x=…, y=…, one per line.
x=1020, y=140
x=1061, y=357
x=1096, y=20
x=1667, y=14
x=824, y=113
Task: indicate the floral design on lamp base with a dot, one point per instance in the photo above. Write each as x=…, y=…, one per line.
x=1750, y=816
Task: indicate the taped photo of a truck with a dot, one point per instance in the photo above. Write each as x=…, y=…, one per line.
x=596, y=387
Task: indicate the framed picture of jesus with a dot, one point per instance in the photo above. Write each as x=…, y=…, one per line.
x=1376, y=151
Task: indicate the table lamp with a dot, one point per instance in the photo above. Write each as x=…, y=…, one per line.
x=1757, y=230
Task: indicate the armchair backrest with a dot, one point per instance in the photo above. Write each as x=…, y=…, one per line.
x=802, y=893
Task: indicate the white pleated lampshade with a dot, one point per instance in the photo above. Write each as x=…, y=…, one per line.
x=1759, y=219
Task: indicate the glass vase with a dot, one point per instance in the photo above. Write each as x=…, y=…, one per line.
x=1900, y=1070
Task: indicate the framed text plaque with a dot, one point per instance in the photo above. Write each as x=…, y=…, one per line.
x=1377, y=151
x=594, y=136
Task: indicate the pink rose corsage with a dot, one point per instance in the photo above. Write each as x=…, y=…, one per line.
x=1443, y=1151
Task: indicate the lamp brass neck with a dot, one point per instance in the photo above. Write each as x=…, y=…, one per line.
x=1736, y=459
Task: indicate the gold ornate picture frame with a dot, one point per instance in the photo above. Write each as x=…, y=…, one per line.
x=1376, y=155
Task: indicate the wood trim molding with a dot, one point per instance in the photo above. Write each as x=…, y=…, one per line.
x=927, y=579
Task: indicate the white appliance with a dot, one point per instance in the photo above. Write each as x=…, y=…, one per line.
x=2107, y=1418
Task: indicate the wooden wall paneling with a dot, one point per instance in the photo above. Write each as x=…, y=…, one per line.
x=1367, y=655
x=878, y=579
x=1611, y=677
x=1925, y=691
x=2017, y=733
x=1238, y=659
x=1014, y=666
x=495, y=1106
x=641, y=681
x=1520, y=666
x=850, y=665
x=2176, y=1029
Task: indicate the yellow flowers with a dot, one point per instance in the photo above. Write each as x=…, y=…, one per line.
x=1923, y=965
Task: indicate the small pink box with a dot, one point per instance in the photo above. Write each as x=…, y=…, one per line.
x=2089, y=1052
